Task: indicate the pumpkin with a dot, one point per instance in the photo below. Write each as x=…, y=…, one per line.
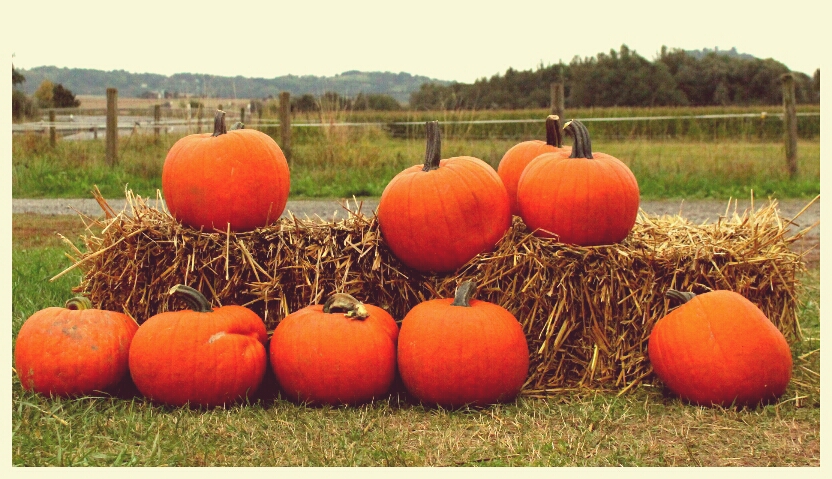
x=74, y=350
x=459, y=203
x=204, y=356
x=237, y=179
x=462, y=351
x=341, y=352
x=583, y=198
x=515, y=160
x=719, y=348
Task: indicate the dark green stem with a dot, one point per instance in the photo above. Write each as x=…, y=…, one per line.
x=346, y=303
x=79, y=303
x=683, y=296
x=553, y=134
x=464, y=293
x=194, y=298
x=582, y=148
x=434, y=145
x=219, y=124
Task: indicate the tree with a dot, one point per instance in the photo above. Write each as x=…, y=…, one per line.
x=816, y=81
x=44, y=94
x=63, y=98
x=17, y=77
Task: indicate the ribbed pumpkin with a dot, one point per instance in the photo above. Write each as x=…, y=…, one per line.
x=719, y=348
x=459, y=203
x=74, y=350
x=462, y=351
x=204, y=356
x=238, y=177
x=341, y=352
x=517, y=157
x=584, y=198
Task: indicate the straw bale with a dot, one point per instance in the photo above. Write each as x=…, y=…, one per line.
x=587, y=311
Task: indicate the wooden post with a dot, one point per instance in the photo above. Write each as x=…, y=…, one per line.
x=95, y=132
x=790, y=123
x=557, y=100
x=157, y=115
x=199, y=118
x=285, y=126
x=243, y=115
x=112, y=126
x=52, y=136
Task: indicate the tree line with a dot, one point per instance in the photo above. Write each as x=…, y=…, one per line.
x=624, y=78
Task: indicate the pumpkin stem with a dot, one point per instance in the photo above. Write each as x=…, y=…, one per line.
x=464, y=293
x=434, y=146
x=219, y=124
x=683, y=296
x=238, y=126
x=79, y=303
x=582, y=148
x=194, y=298
x=553, y=134
x=346, y=303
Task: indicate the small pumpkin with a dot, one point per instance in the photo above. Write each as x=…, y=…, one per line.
x=204, y=356
x=462, y=351
x=515, y=160
x=719, y=348
x=459, y=203
x=238, y=178
x=341, y=352
x=74, y=350
x=583, y=198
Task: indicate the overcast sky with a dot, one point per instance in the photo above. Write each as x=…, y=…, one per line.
x=446, y=40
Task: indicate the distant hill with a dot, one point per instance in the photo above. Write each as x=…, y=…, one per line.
x=349, y=84
x=699, y=54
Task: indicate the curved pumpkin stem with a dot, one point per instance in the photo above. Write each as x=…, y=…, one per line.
x=553, y=134
x=583, y=146
x=194, y=298
x=238, y=126
x=683, y=296
x=346, y=303
x=434, y=146
x=78, y=303
x=219, y=124
x=464, y=293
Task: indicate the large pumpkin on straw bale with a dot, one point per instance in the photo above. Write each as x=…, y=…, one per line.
x=73, y=350
x=341, y=352
x=238, y=178
x=438, y=216
x=204, y=356
x=718, y=348
x=462, y=351
x=515, y=160
x=584, y=198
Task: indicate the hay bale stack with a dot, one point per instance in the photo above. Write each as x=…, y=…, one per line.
x=587, y=311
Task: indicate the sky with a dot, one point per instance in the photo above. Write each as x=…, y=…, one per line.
x=447, y=40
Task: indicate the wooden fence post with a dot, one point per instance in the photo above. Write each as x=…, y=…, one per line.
x=557, y=100
x=52, y=135
x=157, y=116
x=199, y=118
x=790, y=123
x=285, y=126
x=243, y=115
x=112, y=126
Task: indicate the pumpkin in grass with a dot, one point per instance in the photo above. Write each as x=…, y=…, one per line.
x=462, y=351
x=204, y=356
x=459, y=203
x=515, y=160
x=719, y=348
x=341, y=352
x=584, y=198
x=74, y=350
x=238, y=177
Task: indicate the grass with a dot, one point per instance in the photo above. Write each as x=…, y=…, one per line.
x=645, y=427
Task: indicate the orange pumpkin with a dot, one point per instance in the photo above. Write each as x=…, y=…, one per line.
x=341, y=352
x=206, y=356
x=585, y=198
x=238, y=177
x=517, y=157
x=459, y=203
x=74, y=350
x=719, y=348
x=454, y=352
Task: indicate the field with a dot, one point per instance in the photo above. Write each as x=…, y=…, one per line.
x=646, y=426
